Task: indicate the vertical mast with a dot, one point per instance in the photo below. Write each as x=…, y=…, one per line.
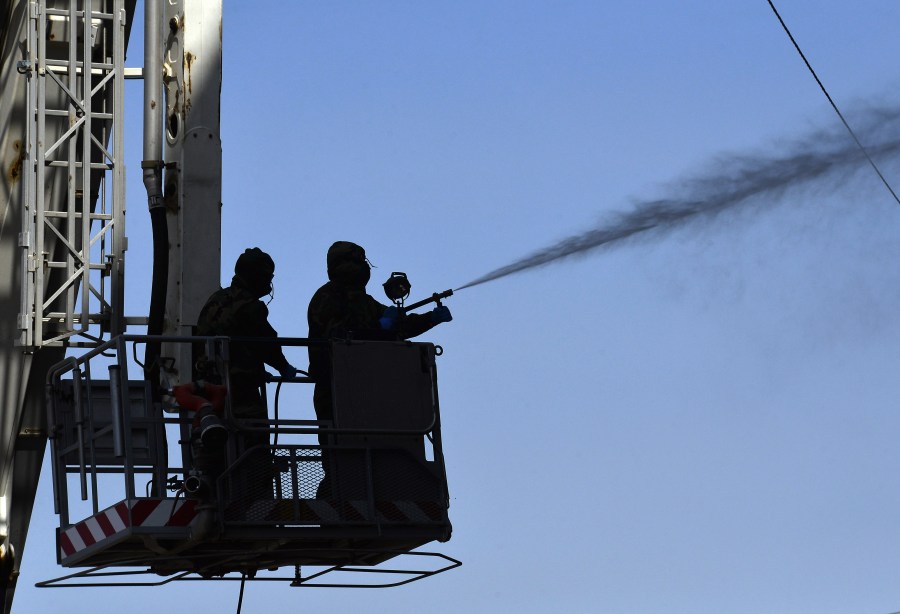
x=193, y=176
x=62, y=235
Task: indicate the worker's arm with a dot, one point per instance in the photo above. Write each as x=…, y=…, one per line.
x=411, y=324
x=270, y=353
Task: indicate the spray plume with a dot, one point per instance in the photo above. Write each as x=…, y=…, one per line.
x=731, y=181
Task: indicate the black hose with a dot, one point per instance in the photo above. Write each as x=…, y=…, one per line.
x=158, y=288
x=277, y=394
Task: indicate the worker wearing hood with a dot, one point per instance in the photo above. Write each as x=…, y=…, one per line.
x=341, y=309
x=237, y=311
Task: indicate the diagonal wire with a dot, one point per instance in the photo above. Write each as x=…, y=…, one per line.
x=833, y=105
x=836, y=110
x=241, y=595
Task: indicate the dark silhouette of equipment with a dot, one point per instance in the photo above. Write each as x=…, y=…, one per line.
x=398, y=287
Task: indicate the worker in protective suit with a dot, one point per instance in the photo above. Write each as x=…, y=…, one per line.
x=237, y=311
x=342, y=309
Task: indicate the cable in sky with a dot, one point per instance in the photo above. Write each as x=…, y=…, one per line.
x=833, y=105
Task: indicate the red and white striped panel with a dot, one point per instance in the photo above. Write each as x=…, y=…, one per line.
x=122, y=516
x=331, y=511
x=408, y=511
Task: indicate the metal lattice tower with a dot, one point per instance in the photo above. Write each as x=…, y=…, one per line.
x=73, y=227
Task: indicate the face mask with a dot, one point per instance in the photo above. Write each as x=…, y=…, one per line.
x=260, y=287
x=353, y=274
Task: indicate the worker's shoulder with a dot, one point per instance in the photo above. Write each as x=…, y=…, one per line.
x=235, y=302
x=244, y=303
x=218, y=295
x=215, y=300
x=375, y=302
x=326, y=296
x=327, y=289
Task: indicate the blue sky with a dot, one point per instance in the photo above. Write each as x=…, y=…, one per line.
x=703, y=421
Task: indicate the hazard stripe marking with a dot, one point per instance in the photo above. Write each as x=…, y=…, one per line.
x=94, y=527
x=85, y=534
x=122, y=516
x=183, y=515
x=434, y=510
x=323, y=510
x=361, y=509
x=337, y=511
x=150, y=513
x=75, y=538
x=389, y=511
x=105, y=524
x=65, y=545
x=412, y=511
x=140, y=510
x=160, y=514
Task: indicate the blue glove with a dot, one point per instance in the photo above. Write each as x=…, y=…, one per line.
x=441, y=314
x=288, y=372
x=388, y=320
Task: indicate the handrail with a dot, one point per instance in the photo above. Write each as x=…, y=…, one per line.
x=80, y=453
x=126, y=338
x=338, y=431
x=55, y=374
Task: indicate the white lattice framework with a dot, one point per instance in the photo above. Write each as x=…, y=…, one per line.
x=73, y=235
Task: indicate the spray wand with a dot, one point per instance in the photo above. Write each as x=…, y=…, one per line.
x=436, y=298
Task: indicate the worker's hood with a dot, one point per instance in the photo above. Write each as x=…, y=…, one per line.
x=254, y=271
x=347, y=265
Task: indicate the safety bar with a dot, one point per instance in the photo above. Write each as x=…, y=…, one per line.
x=285, y=427
x=120, y=425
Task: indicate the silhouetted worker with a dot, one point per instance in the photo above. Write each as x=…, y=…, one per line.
x=342, y=309
x=237, y=311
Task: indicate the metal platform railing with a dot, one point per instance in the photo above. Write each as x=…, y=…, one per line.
x=383, y=474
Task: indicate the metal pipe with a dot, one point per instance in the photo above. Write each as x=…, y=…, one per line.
x=115, y=404
x=153, y=107
x=79, y=428
x=152, y=165
x=92, y=450
x=50, y=404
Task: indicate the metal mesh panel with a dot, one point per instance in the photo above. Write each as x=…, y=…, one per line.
x=249, y=487
x=267, y=486
x=398, y=477
x=298, y=472
x=368, y=486
x=349, y=474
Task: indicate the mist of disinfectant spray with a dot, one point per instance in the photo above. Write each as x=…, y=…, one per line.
x=729, y=183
